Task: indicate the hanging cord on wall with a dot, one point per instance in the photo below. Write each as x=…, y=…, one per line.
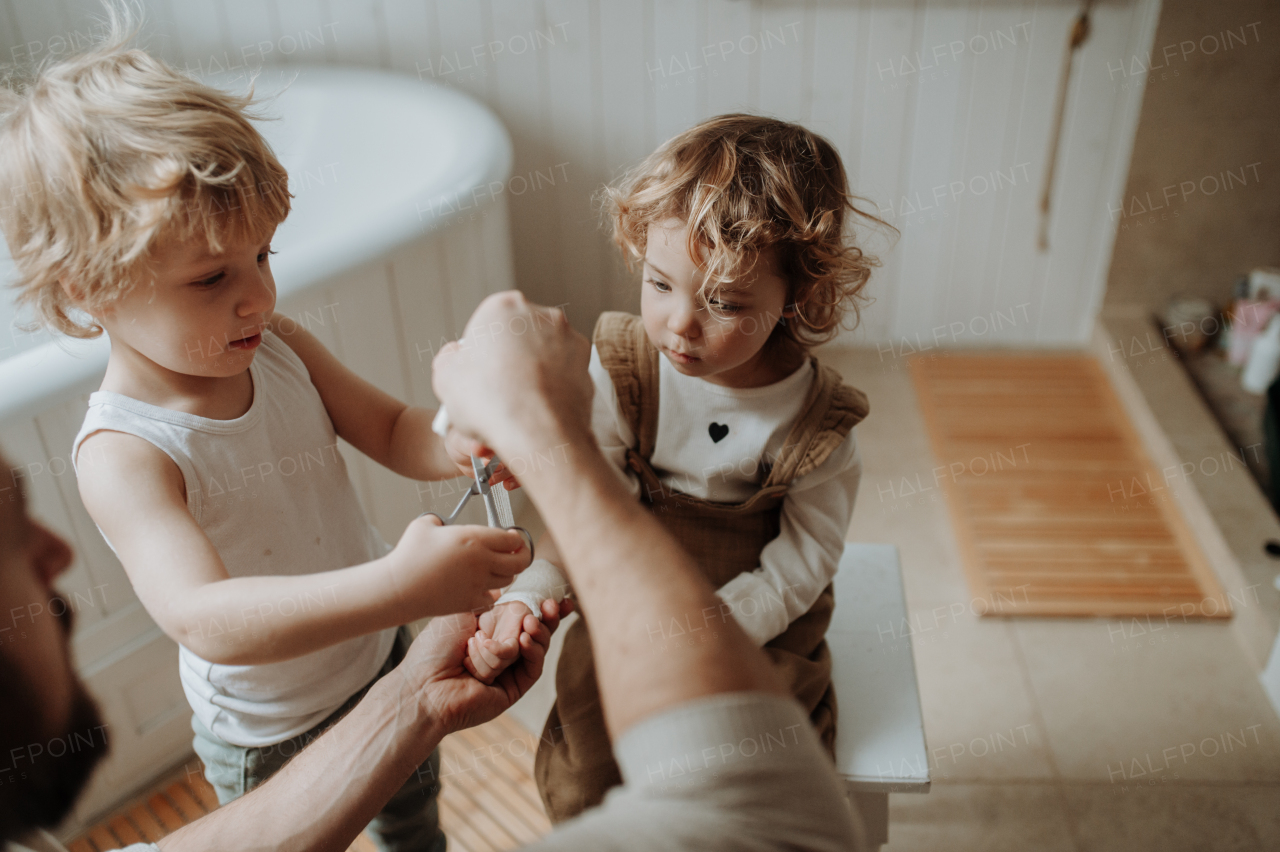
x=1079, y=32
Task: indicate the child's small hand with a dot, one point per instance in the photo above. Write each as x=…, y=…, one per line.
x=437, y=570
x=496, y=644
x=461, y=449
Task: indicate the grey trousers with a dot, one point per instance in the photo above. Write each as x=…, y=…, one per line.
x=410, y=821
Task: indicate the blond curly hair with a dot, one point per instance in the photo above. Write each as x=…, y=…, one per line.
x=107, y=152
x=743, y=184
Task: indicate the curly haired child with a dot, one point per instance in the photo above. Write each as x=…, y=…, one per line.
x=713, y=408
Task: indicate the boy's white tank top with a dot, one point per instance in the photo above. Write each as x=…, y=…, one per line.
x=272, y=493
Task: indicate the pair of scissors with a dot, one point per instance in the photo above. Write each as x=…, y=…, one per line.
x=497, y=505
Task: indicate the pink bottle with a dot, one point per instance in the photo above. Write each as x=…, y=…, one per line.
x=1248, y=319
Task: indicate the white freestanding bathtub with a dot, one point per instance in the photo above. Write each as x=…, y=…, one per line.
x=399, y=228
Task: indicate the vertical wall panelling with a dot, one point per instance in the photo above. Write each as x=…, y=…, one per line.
x=425, y=323
x=495, y=248
x=10, y=32
x=995, y=180
x=361, y=34
x=835, y=83
x=163, y=33
x=577, y=165
x=252, y=35
x=521, y=96
x=398, y=330
x=1024, y=270
x=310, y=31
x=626, y=120
x=728, y=72
x=426, y=313
x=980, y=172
x=675, y=66
x=884, y=132
x=464, y=59
x=1090, y=142
x=463, y=252
x=780, y=44
x=36, y=27
x=408, y=37
x=1001, y=289
x=206, y=46
x=936, y=114
x=361, y=305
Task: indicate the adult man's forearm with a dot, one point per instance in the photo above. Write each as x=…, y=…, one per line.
x=632, y=579
x=323, y=797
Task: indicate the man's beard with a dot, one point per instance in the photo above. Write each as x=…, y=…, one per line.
x=44, y=772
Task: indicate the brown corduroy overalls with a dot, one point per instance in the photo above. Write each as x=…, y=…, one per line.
x=575, y=766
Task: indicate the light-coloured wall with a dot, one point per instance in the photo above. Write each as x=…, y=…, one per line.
x=942, y=111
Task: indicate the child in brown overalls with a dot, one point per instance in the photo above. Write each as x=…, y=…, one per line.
x=712, y=408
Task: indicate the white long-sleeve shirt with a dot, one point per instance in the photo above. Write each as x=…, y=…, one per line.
x=717, y=443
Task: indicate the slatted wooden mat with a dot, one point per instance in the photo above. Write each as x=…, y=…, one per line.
x=489, y=802
x=1057, y=508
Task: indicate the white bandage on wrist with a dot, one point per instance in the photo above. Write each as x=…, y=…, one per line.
x=541, y=581
x=529, y=599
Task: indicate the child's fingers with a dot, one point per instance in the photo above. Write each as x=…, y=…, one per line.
x=487, y=656
x=504, y=651
x=486, y=668
x=505, y=566
x=501, y=541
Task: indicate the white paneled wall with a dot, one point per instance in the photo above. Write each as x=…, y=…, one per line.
x=942, y=111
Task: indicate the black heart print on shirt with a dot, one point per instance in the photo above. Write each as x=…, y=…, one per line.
x=717, y=432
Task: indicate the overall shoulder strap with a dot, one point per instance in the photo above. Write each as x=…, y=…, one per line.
x=632, y=363
x=830, y=411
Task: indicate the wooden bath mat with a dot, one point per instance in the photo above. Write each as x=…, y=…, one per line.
x=1056, y=506
x=489, y=801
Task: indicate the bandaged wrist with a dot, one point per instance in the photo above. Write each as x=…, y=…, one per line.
x=541, y=581
x=529, y=599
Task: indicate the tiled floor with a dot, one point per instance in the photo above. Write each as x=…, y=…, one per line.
x=1048, y=734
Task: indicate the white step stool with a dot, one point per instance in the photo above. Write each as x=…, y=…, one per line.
x=880, y=747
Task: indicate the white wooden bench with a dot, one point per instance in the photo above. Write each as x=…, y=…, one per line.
x=880, y=746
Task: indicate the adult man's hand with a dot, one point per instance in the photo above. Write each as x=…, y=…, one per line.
x=433, y=669
x=511, y=347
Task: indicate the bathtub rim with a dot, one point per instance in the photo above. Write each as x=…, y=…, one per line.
x=33, y=380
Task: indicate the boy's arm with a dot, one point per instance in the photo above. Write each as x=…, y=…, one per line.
x=393, y=434
x=797, y=565
x=135, y=493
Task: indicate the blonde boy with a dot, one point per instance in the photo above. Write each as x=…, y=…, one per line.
x=143, y=203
